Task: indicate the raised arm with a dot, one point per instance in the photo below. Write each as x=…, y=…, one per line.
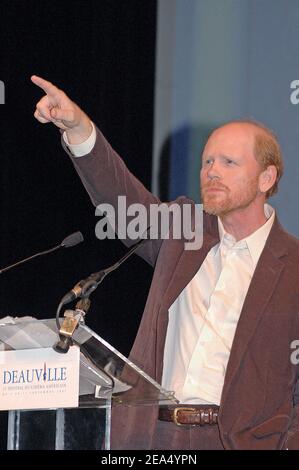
x=102, y=171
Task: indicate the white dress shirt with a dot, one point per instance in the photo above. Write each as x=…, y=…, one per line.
x=203, y=319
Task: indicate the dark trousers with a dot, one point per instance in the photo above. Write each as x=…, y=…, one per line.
x=169, y=436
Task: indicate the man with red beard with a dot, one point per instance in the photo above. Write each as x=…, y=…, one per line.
x=219, y=322
x=234, y=184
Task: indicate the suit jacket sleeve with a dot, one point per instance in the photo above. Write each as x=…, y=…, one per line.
x=292, y=441
x=105, y=177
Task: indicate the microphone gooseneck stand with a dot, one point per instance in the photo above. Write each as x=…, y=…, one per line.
x=82, y=290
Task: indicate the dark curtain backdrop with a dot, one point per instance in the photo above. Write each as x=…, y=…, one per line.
x=102, y=54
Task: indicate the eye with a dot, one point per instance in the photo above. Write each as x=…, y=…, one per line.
x=229, y=162
x=207, y=161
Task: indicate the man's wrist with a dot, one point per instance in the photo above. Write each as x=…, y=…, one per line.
x=85, y=146
x=78, y=135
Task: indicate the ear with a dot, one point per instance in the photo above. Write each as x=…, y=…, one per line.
x=267, y=178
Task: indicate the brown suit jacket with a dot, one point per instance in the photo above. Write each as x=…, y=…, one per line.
x=260, y=400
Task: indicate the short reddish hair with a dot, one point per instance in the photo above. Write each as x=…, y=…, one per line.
x=267, y=150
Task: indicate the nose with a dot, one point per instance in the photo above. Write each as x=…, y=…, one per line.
x=213, y=171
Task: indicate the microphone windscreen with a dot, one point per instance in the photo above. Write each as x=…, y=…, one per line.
x=72, y=240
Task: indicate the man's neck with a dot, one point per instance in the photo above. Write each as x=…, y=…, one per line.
x=243, y=222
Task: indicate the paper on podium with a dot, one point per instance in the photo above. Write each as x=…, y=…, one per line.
x=25, y=333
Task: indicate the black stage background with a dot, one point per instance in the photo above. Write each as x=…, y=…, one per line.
x=102, y=54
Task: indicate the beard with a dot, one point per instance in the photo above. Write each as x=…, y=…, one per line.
x=226, y=200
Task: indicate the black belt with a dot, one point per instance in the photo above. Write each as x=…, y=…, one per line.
x=196, y=415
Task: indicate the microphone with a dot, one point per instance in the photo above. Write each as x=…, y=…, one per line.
x=72, y=240
x=86, y=286
x=82, y=289
x=69, y=241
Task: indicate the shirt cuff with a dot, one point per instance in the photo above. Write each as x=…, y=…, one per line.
x=79, y=150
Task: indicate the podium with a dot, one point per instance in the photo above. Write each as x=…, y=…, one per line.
x=107, y=379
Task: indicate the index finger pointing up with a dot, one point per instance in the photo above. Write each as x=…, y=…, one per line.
x=48, y=87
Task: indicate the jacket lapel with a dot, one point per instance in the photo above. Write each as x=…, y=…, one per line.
x=261, y=288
